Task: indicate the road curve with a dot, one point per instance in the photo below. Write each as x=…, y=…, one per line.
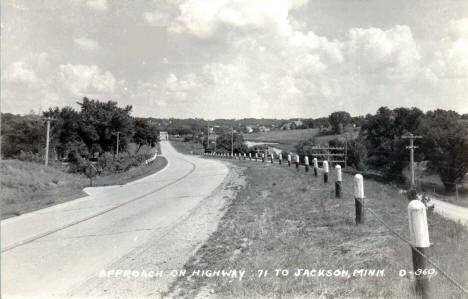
x=50, y=252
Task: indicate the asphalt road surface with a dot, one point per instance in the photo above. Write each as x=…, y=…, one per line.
x=153, y=222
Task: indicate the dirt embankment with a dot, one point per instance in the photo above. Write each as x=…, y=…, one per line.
x=27, y=186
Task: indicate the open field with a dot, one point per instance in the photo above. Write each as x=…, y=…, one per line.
x=27, y=186
x=287, y=139
x=283, y=219
x=282, y=136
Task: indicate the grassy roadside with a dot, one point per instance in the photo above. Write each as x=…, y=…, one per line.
x=288, y=220
x=188, y=147
x=27, y=186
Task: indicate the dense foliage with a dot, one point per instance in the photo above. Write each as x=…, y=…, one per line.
x=381, y=134
x=76, y=135
x=338, y=120
x=445, y=145
x=223, y=143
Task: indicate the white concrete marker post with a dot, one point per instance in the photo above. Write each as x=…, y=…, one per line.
x=296, y=161
x=245, y=156
x=263, y=157
x=315, y=166
x=272, y=156
x=306, y=162
x=359, y=198
x=256, y=157
x=419, y=234
x=280, y=158
x=325, y=171
x=338, y=181
x=289, y=160
x=250, y=156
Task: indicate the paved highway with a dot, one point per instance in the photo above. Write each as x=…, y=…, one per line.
x=59, y=251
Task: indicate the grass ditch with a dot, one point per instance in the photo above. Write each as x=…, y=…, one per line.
x=284, y=219
x=28, y=186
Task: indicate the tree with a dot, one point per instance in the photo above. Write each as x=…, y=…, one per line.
x=145, y=133
x=102, y=121
x=22, y=134
x=386, y=150
x=223, y=143
x=66, y=132
x=339, y=120
x=445, y=145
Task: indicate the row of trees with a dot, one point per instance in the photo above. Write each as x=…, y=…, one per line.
x=90, y=131
x=444, y=143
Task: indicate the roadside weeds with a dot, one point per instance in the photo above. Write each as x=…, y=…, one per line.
x=284, y=219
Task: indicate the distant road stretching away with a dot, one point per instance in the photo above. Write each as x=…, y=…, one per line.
x=54, y=251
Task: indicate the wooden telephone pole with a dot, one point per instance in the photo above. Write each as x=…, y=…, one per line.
x=46, y=158
x=411, y=147
x=207, y=137
x=118, y=135
x=232, y=141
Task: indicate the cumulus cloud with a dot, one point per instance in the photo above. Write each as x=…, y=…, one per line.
x=84, y=80
x=86, y=44
x=100, y=5
x=204, y=18
x=19, y=72
x=157, y=18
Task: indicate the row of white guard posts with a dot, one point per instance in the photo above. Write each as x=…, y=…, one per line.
x=417, y=217
x=271, y=159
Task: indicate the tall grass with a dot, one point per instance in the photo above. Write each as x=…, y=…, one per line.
x=28, y=186
x=284, y=219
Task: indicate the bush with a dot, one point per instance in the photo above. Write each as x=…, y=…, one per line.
x=108, y=164
x=188, y=138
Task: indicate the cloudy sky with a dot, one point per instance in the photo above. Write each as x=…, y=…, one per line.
x=235, y=58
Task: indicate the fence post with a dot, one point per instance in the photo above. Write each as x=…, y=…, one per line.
x=359, y=198
x=338, y=181
x=296, y=161
x=289, y=160
x=272, y=157
x=419, y=234
x=315, y=166
x=250, y=156
x=256, y=157
x=325, y=171
x=306, y=162
x=263, y=157
x=280, y=158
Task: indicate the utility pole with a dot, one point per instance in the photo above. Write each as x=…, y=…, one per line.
x=46, y=158
x=411, y=147
x=346, y=151
x=232, y=141
x=118, y=133
x=215, y=143
x=207, y=136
